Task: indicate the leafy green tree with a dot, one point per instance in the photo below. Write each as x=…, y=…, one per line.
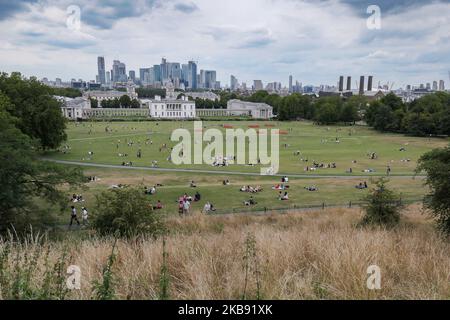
x=382, y=206
x=25, y=178
x=66, y=92
x=383, y=117
x=94, y=103
x=326, y=113
x=349, y=113
x=436, y=164
x=125, y=101
x=38, y=113
x=135, y=104
x=392, y=101
x=126, y=212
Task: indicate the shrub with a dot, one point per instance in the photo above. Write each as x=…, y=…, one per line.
x=382, y=206
x=126, y=213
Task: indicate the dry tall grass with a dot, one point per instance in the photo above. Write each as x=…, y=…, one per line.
x=309, y=255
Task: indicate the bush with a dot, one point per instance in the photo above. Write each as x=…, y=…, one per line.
x=127, y=213
x=382, y=206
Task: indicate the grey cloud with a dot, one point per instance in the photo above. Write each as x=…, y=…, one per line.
x=389, y=6
x=9, y=7
x=98, y=17
x=186, y=7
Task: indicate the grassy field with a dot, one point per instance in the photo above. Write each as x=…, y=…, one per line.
x=316, y=143
x=228, y=199
x=312, y=255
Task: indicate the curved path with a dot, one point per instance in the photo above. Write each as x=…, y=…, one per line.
x=221, y=172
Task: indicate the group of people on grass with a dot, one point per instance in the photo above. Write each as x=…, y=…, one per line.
x=362, y=185
x=251, y=189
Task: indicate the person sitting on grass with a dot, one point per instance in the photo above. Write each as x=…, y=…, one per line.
x=197, y=197
x=362, y=185
x=208, y=207
x=226, y=182
x=158, y=206
x=284, y=197
x=250, y=202
x=193, y=185
x=312, y=188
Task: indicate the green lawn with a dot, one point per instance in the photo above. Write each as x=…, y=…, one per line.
x=316, y=143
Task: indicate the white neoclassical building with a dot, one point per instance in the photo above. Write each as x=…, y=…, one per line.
x=170, y=107
x=74, y=108
x=245, y=108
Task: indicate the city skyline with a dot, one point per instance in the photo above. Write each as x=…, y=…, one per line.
x=315, y=42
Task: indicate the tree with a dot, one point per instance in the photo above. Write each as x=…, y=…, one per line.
x=392, y=101
x=94, y=103
x=436, y=164
x=126, y=212
x=24, y=178
x=382, y=206
x=38, y=113
x=135, y=104
x=326, y=113
x=125, y=101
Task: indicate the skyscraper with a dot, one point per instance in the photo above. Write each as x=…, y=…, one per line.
x=290, y=84
x=441, y=85
x=164, y=70
x=233, y=83
x=157, y=77
x=208, y=79
x=119, y=72
x=184, y=73
x=257, y=85
x=132, y=75
x=192, y=75
x=435, y=85
x=101, y=70
x=142, y=76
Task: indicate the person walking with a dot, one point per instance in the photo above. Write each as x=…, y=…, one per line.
x=73, y=216
x=84, y=216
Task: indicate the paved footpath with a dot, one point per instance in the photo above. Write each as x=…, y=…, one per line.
x=221, y=172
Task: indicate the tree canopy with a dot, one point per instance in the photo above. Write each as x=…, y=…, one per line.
x=38, y=113
x=436, y=164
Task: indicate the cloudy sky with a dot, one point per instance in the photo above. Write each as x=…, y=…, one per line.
x=314, y=40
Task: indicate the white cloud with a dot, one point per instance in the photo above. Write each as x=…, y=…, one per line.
x=252, y=39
